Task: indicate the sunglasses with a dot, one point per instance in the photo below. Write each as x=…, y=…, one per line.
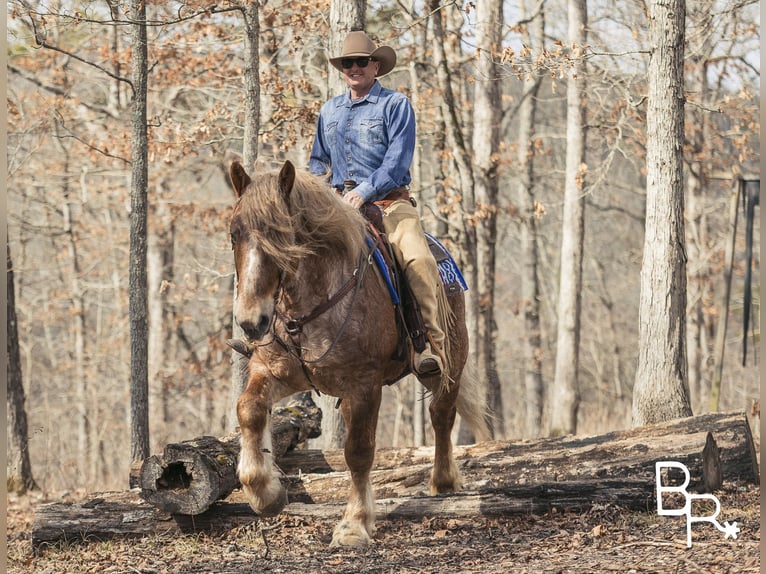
x=346, y=63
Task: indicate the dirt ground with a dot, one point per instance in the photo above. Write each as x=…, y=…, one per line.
x=605, y=539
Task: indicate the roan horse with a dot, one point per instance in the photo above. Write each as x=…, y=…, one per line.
x=319, y=319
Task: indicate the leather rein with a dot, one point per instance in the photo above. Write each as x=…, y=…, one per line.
x=294, y=325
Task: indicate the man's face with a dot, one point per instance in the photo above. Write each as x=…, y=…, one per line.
x=360, y=79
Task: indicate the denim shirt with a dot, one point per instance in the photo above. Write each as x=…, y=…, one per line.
x=370, y=140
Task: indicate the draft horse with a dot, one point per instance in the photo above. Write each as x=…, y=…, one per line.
x=320, y=318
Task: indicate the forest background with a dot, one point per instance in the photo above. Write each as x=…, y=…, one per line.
x=69, y=153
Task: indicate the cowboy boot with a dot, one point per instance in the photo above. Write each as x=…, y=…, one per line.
x=430, y=361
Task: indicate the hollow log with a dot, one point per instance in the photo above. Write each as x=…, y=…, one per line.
x=188, y=477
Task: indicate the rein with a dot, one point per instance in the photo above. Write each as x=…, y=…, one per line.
x=294, y=327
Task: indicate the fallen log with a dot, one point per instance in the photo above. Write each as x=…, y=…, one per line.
x=499, y=478
x=188, y=477
x=619, y=455
x=125, y=514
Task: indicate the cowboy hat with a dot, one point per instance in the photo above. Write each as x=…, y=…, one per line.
x=359, y=45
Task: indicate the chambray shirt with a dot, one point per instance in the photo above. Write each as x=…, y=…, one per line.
x=370, y=140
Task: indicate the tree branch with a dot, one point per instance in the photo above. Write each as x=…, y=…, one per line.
x=59, y=92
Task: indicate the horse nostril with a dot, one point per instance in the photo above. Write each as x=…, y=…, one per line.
x=263, y=325
x=254, y=331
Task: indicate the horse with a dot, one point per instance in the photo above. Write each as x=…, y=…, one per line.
x=318, y=318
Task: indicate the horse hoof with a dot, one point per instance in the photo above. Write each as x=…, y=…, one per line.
x=349, y=534
x=275, y=507
x=258, y=502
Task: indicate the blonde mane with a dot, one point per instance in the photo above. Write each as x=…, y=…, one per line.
x=317, y=222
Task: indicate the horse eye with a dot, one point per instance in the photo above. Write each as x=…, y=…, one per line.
x=233, y=240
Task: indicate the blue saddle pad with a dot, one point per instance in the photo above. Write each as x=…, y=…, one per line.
x=450, y=274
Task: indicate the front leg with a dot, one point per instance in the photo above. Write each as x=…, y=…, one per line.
x=361, y=415
x=260, y=482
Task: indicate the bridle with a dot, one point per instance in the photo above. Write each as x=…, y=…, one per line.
x=294, y=326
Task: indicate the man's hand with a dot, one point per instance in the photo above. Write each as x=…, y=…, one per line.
x=354, y=199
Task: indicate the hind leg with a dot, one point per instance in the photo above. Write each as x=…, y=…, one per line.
x=358, y=522
x=445, y=476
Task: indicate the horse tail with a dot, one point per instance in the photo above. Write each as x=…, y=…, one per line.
x=471, y=403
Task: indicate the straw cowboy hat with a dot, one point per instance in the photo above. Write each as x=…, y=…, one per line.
x=359, y=45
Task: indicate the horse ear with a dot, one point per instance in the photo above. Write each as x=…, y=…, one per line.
x=239, y=178
x=286, y=179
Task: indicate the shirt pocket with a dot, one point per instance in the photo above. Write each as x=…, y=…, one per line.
x=331, y=133
x=374, y=130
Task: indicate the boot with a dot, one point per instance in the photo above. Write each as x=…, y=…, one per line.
x=241, y=346
x=428, y=363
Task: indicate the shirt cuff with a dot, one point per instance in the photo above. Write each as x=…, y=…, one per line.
x=366, y=191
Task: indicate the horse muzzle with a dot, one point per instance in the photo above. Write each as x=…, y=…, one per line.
x=256, y=329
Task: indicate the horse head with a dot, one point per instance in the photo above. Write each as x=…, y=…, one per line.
x=254, y=222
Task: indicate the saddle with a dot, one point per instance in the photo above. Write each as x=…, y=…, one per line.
x=412, y=330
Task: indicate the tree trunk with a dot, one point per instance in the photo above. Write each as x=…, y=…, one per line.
x=160, y=253
x=461, y=213
x=138, y=312
x=698, y=279
x=661, y=389
x=723, y=302
x=345, y=16
x=69, y=209
x=19, y=469
x=565, y=395
x=486, y=145
x=530, y=287
x=500, y=478
x=190, y=476
x=252, y=94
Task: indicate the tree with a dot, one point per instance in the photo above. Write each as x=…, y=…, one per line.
x=487, y=117
x=565, y=395
x=138, y=305
x=252, y=96
x=526, y=198
x=661, y=388
x=19, y=474
x=345, y=16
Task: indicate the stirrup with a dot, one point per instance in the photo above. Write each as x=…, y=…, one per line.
x=427, y=363
x=241, y=346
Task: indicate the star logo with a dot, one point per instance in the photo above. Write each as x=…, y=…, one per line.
x=730, y=530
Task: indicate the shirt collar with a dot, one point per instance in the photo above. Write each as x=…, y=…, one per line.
x=372, y=96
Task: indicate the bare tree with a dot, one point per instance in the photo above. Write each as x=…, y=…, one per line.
x=661, y=388
x=565, y=394
x=19, y=473
x=526, y=197
x=452, y=144
x=252, y=95
x=487, y=117
x=138, y=311
x=345, y=16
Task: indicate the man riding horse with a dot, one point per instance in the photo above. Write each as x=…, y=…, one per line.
x=365, y=141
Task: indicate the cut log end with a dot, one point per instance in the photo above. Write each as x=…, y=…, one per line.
x=190, y=476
